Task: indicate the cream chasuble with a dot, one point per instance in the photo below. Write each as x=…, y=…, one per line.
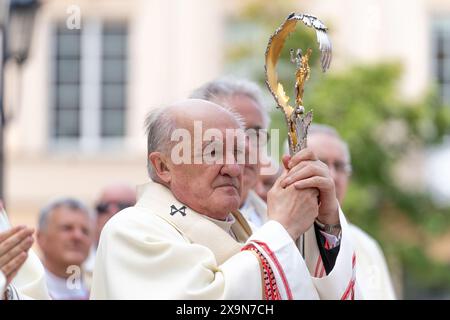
x=371, y=267
x=160, y=249
x=372, y=274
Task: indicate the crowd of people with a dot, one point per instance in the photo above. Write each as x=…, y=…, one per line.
x=208, y=229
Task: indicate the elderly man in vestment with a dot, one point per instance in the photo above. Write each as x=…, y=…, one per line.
x=244, y=97
x=185, y=237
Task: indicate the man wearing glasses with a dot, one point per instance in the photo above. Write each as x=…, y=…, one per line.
x=113, y=198
x=371, y=268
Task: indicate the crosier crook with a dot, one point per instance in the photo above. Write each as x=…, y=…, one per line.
x=296, y=120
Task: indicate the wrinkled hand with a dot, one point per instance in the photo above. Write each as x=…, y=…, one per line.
x=306, y=171
x=294, y=209
x=14, y=246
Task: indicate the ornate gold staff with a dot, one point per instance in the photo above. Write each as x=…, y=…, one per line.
x=296, y=120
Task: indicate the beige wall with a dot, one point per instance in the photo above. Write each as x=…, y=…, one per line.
x=374, y=30
x=174, y=46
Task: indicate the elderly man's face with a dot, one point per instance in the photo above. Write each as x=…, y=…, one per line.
x=67, y=238
x=331, y=151
x=254, y=119
x=212, y=189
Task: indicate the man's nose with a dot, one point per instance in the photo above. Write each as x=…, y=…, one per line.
x=232, y=169
x=77, y=234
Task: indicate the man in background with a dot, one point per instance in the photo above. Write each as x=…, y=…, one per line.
x=266, y=181
x=113, y=198
x=371, y=268
x=65, y=234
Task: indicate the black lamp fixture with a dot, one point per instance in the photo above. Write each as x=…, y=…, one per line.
x=20, y=29
x=16, y=31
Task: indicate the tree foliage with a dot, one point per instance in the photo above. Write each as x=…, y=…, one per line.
x=363, y=103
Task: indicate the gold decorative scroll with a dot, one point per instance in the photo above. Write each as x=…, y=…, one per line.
x=297, y=121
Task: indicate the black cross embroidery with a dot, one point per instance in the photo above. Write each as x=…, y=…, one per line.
x=174, y=210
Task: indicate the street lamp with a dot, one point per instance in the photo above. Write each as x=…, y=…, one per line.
x=20, y=29
x=16, y=29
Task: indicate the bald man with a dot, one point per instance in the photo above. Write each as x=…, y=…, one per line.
x=185, y=238
x=245, y=98
x=113, y=198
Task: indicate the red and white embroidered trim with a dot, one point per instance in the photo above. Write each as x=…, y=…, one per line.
x=277, y=264
x=270, y=287
x=320, y=268
x=349, y=293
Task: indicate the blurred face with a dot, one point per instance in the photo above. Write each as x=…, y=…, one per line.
x=254, y=119
x=112, y=200
x=331, y=151
x=67, y=239
x=212, y=189
x=265, y=183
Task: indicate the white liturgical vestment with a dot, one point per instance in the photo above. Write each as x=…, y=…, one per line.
x=371, y=268
x=372, y=273
x=161, y=249
x=254, y=209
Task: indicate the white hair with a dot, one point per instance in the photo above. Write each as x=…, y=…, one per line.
x=221, y=89
x=159, y=126
x=70, y=203
x=323, y=129
x=328, y=130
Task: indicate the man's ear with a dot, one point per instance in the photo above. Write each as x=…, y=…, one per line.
x=159, y=163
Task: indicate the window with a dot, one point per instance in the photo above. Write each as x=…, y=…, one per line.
x=441, y=56
x=89, y=87
x=67, y=84
x=113, y=79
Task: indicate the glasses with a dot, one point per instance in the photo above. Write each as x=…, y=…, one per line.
x=340, y=167
x=105, y=207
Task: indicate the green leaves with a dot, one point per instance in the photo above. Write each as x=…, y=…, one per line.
x=364, y=104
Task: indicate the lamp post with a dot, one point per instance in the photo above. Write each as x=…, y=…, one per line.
x=16, y=29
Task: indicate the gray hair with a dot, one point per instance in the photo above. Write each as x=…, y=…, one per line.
x=226, y=87
x=158, y=127
x=70, y=203
x=328, y=130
